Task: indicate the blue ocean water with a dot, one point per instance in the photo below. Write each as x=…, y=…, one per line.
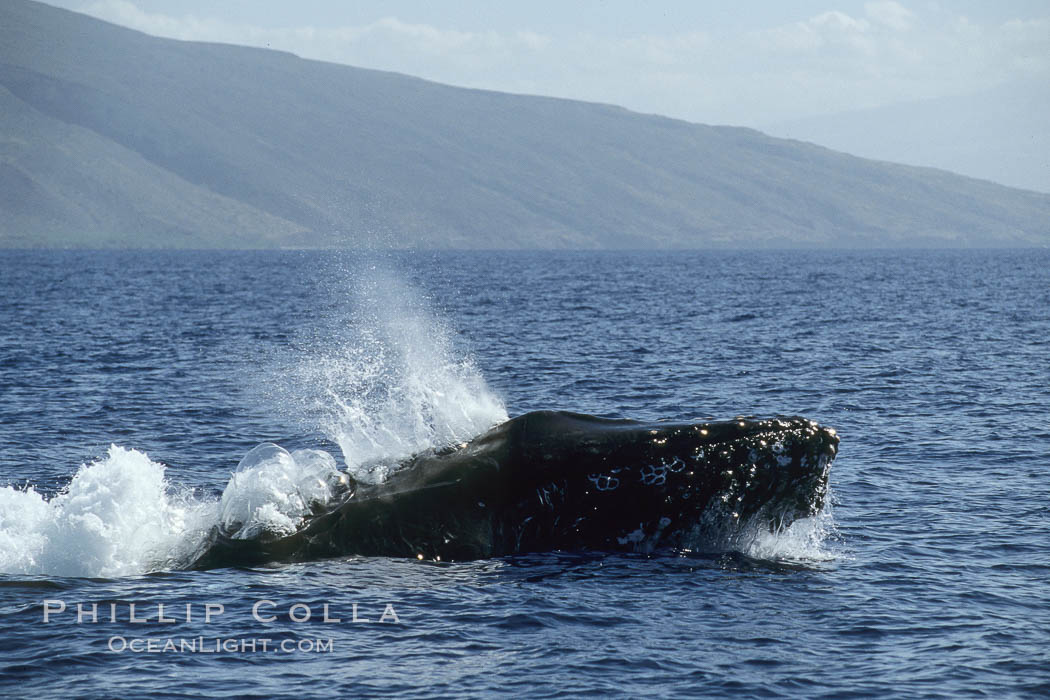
x=928, y=577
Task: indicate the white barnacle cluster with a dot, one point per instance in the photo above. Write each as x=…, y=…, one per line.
x=675, y=464
x=781, y=453
x=604, y=482
x=654, y=474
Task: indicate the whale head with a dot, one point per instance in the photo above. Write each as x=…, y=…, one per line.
x=586, y=482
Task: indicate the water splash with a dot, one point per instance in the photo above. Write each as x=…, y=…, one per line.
x=273, y=490
x=804, y=541
x=120, y=516
x=395, y=383
x=117, y=517
x=387, y=382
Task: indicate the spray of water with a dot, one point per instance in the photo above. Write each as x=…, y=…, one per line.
x=805, y=541
x=384, y=381
x=396, y=383
x=273, y=490
x=117, y=517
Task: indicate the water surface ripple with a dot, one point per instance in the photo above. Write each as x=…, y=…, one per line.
x=933, y=366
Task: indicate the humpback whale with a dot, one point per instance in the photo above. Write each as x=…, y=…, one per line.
x=555, y=480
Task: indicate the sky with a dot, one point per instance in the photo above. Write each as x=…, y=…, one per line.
x=747, y=63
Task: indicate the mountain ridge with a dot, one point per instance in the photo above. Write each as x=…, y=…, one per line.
x=113, y=138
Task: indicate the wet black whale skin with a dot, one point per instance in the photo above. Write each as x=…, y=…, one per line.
x=555, y=480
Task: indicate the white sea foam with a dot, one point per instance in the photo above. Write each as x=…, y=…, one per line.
x=117, y=517
x=120, y=516
x=389, y=384
x=803, y=541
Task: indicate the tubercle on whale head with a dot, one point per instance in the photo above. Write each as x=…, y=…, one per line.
x=565, y=435
x=612, y=484
x=784, y=474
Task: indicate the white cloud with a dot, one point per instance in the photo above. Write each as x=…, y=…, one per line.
x=189, y=27
x=1026, y=44
x=328, y=43
x=819, y=33
x=890, y=14
x=833, y=61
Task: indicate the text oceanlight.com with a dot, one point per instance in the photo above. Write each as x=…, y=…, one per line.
x=218, y=645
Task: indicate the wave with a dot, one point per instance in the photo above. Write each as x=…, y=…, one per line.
x=118, y=516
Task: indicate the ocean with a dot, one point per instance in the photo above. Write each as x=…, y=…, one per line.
x=134, y=387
